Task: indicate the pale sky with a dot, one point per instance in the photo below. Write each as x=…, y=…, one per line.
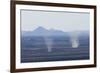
x=65, y=21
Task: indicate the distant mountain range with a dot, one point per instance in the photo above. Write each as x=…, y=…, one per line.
x=40, y=31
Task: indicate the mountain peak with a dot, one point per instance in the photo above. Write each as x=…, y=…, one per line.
x=40, y=29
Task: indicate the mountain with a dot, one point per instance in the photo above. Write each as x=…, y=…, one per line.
x=40, y=31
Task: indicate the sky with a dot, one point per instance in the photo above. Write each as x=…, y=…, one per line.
x=58, y=20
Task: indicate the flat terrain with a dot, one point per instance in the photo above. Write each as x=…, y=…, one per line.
x=35, y=49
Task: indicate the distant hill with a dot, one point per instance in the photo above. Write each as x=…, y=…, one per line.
x=40, y=31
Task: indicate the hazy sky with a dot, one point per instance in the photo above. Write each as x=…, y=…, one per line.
x=65, y=21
